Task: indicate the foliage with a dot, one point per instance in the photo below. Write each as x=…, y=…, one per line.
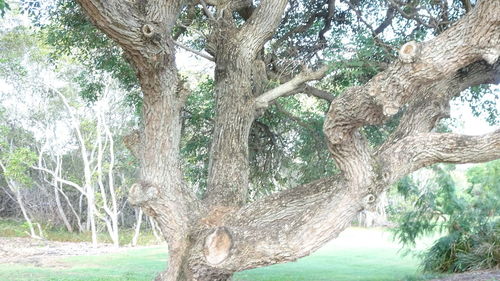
x=286, y=144
x=17, y=164
x=468, y=218
x=73, y=36
x=16, y=160
x=4, y=6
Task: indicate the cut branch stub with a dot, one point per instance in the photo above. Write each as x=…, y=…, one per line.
x=217, y=246
x=141, y=193
x=409, y=52
x=148, y=30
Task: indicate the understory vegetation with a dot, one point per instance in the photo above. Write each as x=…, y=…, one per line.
x=467, y=217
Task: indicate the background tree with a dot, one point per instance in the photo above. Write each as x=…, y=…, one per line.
x=55, y=123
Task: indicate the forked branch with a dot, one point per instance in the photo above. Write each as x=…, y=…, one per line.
x=261, y=26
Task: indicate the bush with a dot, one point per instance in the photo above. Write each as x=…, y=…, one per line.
x=469, y=218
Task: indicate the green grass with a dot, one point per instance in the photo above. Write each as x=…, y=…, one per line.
x=358, y=254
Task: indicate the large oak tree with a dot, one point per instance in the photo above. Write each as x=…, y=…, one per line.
x=224, y=232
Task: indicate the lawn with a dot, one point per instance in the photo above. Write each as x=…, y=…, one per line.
x=358, y=254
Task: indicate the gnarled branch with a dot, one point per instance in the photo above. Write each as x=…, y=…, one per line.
x=421, y=150
x=429, y=63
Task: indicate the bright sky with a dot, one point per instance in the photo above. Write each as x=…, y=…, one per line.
x=472, y=125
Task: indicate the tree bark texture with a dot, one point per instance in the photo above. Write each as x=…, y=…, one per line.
x=222, y=233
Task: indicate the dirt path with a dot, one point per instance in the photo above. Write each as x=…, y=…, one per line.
x=42, y=252
x=490, y=275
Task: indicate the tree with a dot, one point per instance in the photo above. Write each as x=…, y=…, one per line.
x=14, y=167
x=222, y=233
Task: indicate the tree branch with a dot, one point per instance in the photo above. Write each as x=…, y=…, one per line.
x=421, y=150
x=467, y=5
x=207, y=11
x=387, y=21
x=61, y=180
x=322, y=94
x=421, y=65
x=263, y=100
x=261, y=26
x=426, y=109
x=205, y=56
x=290, y=224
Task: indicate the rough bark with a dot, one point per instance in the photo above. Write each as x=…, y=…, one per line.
x=210, y=239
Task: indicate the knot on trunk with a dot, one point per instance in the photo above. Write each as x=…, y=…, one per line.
x=217, y=246
x=148, y=30
x=142, y=192
x=409, y=52
x=369, y=200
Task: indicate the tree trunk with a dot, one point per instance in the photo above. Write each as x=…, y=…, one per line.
x=228, y=169
x=137, y=227
x=61, y=210
x=20, y=202
x=91, y=224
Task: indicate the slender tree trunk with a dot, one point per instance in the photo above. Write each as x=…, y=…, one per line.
x=20, y=202
x=61, y=210
x=91, y=223
x=138, y=224
x=156, y=231
x=58, y=186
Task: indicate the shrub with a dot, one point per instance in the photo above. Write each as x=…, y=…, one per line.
x=469, y=219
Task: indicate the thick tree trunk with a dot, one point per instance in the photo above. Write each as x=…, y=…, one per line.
x=228, y=170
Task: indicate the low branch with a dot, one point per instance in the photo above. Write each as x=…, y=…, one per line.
x=421, y=150
x=285, y=88
x=290, y=224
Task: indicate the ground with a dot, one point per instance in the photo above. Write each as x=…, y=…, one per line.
x=358, y=254
x=44, y=253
